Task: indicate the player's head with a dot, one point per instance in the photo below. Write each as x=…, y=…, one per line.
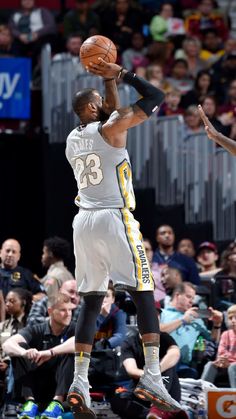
x=87, y=104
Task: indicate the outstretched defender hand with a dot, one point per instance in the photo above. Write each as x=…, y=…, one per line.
x=212, y=133
x=104, y=69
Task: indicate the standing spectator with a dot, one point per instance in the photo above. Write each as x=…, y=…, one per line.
x=205, y=17
x=207, y=257
x=43, y=380
x=14, y=276
x=81, y=20
x=56, y=252
x=165, y=255
x=180, y=320
x=18, y=303
x=186, y=247
x=32, y=27
x=226, y=354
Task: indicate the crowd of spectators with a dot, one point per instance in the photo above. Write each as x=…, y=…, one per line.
x=188, y=48
x=195, y=294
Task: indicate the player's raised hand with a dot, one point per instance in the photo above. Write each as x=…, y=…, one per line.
x=210, y=130
x=104, y=69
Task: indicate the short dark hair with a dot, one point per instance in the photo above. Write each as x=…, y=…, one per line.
x=82, y=98
x=58, y=246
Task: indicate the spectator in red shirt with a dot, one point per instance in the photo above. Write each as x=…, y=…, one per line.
x=205, y=17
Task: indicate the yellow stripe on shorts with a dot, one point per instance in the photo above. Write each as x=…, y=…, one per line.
x=142, y=271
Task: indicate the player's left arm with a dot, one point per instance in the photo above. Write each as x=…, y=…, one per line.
x=111, y=101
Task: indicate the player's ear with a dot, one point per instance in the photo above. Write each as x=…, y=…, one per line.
x=91, y=106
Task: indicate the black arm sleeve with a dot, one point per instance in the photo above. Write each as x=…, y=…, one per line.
x=151, y=95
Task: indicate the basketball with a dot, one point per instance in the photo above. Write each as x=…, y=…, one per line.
x=97, y=46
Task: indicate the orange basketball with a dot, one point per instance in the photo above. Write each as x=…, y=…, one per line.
x=97, y=46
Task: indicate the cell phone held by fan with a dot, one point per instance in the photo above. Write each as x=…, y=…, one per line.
x=204, y=313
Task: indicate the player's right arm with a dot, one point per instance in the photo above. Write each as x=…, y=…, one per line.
x=124, y=118
x=213, y=134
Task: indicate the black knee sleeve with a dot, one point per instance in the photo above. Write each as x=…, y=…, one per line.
x=86, y=324
x=146, y=311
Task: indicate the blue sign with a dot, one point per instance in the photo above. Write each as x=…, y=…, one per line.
x=15, y=80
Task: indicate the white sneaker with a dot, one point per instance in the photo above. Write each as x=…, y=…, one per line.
x=150, y=387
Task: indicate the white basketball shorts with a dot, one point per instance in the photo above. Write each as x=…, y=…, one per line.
x=108, y=245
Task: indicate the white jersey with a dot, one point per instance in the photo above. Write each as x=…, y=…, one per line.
x=103, y=173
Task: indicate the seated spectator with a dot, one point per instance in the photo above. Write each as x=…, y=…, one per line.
x=171, y=105
x=202, y=87
x=18, y=303
x=109, y=336
x=192, y=121
x=125, y=403
x=225, y=286
x=159, y=291
x=180, y=319
x=212, y=47
x=14, y=276
x=43, y=379
x=186, y=247
x=207, y=257
x=179, y=78
x=155, y=75
x=210, y=107
x=111, y=323
x=226, y=355
x=170, y=278
x=222, y=70
x=120, y=21
x=7, y=47
x=227, y=111
x=165, y=25
x=165, y=255
x=81, y=20
x=39, y=309
x=56, y=252
x=190, y=52
x=135, y=56
x=205, y=17
x=32, y=27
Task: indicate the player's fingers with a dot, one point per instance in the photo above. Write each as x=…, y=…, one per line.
x=203, y=115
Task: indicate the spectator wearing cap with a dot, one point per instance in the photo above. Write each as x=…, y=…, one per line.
x=207, y=257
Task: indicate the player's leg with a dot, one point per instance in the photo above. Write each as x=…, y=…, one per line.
x=78, y=395
x=150, y=386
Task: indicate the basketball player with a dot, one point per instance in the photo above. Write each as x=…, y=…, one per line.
x=213, y=134
x=107, y=240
